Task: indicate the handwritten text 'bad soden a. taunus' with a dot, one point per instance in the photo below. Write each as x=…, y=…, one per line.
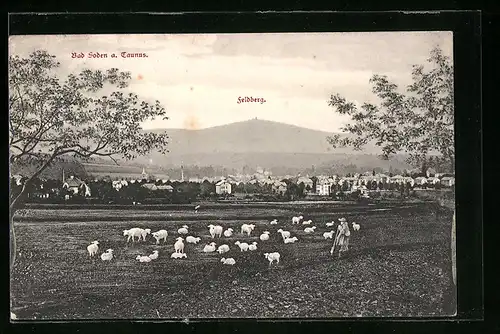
x=109, y=55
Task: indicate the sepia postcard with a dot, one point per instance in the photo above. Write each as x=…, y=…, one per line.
x=259, y=175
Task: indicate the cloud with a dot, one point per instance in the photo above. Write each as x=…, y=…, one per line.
x=201, y=76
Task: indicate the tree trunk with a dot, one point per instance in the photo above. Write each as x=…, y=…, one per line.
x=14, y=206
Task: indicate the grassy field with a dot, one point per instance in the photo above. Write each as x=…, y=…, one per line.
x=399, y=264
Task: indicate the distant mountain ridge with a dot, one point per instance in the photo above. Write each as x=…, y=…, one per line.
x=253, y=136
x=244, y=146
x=260, y=143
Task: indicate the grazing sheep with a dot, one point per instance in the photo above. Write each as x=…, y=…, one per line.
x=328, y=235
x=178, y=255
x=179, y=245
x=161, y=234
x=290, y=240
x=108, y=256
x=309, y=229
x=355, y=226
x=93, y=248
x=230, y=261
x=144, y=233
x=215, y=230
x=183, y=230
x=143, y=258
x=243, y=246
x=154, y=256
x=247, y=228
x=192, y=240
x=272, y=257
x=253, y=246
x=307, y=222
x=274, y=222
x=264, y=236
x=223, y=249
x=330, y=224
x=284, y=234
x=132, y=233
x=296, y=220
x=228, y=232
x=209, y=248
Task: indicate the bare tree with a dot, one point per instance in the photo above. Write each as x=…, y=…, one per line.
x=52, y=117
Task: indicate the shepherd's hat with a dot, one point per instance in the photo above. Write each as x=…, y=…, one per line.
x=342, y=219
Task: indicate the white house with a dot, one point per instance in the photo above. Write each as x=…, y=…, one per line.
x=306, y=180
x=433, y=180
x=419, y=181
x=74, y=184
x=323, y=187
x=448, y=181
x=279, y=187
x=222, y=187
x=166, y=187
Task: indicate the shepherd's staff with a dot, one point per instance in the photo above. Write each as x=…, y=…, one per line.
x=335, y=241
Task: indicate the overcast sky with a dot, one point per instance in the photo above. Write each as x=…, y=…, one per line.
x=198, y=78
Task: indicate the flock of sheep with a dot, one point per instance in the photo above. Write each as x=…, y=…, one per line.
x=215, y=231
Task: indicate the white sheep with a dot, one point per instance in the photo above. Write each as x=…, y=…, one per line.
x=290, y=240
x=228, y=232
x=328, y=235
x=215, y=230
x=296, y=220
x=192, y=240
x=144, y=233
x=143, y=258
x=93, y=248
x=13, y=316
x=223, y=249
x=183, y=230
x=252, y=246
x=247, y=228
x=108, y=256
x=178, y=255
x=330, y=224
x=264, y=236
x=274, y=222
x=209, y=248
x=284, y=234
x=307, y=222
x=272, y=257
x=161, y=234
x=310, y=229
x=132, y=233
x=355, y=226
x=243, y=246
x=179, y=245
x=154, y=256
x=230, y=261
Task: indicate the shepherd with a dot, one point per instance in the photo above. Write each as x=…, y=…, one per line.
x=342, y=237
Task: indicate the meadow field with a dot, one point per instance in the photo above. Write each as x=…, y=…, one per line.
x=399, y=264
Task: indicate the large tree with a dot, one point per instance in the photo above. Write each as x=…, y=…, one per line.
x=418, y=122
x=86, y=114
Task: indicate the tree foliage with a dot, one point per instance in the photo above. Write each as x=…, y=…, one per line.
x=52, y=117
x=419, y=122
